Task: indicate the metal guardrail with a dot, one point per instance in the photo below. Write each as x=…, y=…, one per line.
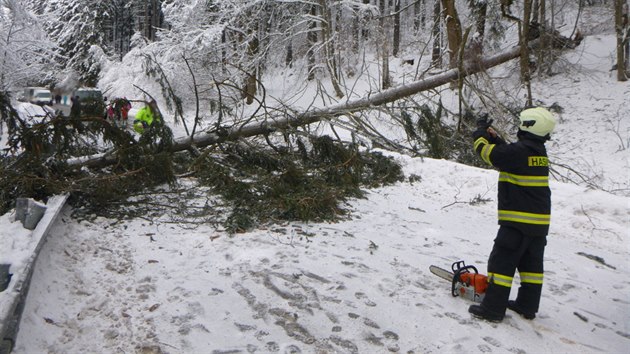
x=18, y=285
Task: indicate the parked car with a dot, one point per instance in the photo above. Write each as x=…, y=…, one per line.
x=37, y=95
x=91, y=101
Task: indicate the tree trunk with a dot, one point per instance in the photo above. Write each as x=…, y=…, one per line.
x=384, y=44
x=525, y=72
x=453, y=31
x=356, y=33
x=396, y=39
x=545, y=46
x=288, y=58
x=436, y=55
x=536, y=11
x=312, y=42
x=621, y=29
x=420, y=15
x=329, y=47
x=224, y=53
x=365, y=33
x=250, y=87
x=480, y=11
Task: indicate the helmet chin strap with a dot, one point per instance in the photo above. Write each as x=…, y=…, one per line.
x=522, y=134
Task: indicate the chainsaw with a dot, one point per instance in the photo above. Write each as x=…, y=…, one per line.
x=465, y=280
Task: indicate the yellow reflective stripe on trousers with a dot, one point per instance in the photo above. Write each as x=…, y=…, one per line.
x=499, y=279
x=525, y=181
x=532, y=278
x=525, y=218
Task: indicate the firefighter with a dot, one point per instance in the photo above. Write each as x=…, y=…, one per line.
x=144, y=118
x=524, y=202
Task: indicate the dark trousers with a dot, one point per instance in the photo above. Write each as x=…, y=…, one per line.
x=513, y=250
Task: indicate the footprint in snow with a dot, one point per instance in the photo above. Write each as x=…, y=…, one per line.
x=492, y=341
x=484, y=348
x=362, y=296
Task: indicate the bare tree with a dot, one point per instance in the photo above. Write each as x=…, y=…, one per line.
x=479, y=10
x=453, y=31
x=328, y=39
x=436, y=55
x=623, y=31
x=396, y=34
x=420, y=14
x=545, y=44
x=118, y=25
x=249, y=90
x=312, y=41
x=383, y=41
x=149, y=17
x=523, y=40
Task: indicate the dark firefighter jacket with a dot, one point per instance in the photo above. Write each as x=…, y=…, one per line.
x=524, y=194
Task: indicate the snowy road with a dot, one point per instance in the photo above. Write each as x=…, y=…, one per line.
x=359, y=286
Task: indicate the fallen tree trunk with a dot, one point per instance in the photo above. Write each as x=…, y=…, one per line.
x=203, y=139
x=385, y=96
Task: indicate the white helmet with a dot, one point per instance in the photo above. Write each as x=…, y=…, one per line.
x=537, y=121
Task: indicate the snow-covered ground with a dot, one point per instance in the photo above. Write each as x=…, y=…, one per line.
x=360, y=285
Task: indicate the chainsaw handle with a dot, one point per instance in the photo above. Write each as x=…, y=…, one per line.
x=456, y=266
x=460, y=266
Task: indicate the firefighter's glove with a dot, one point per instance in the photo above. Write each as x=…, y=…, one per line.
x=484, y=123
x=481, y=132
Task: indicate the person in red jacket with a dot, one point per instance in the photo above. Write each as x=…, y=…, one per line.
x=118, y=111
x=524, y=202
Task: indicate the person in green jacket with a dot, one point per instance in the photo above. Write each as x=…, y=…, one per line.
x=144, y=119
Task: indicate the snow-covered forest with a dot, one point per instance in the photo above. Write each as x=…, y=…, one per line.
x=374, y=68
x=197, y=50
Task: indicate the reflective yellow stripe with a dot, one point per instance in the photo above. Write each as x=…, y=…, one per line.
x=525, y=181
x=525, y=218
x=485, y=150
x=485, y=153
x=479, y=141
x=532, y=278
x=499, y=279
